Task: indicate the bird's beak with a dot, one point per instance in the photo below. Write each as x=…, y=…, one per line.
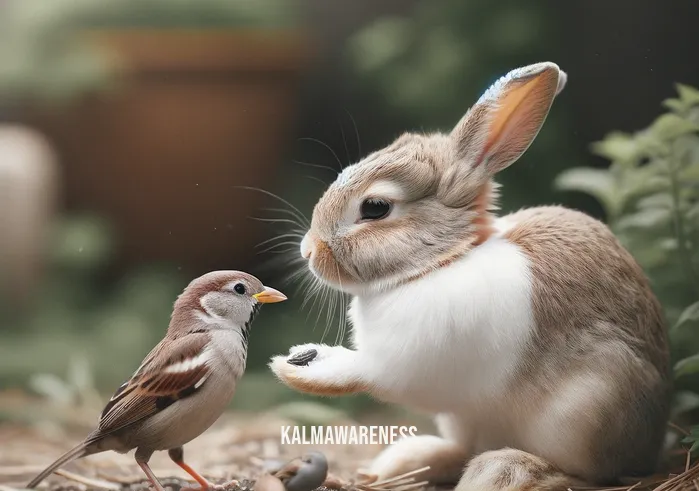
x=269, y=295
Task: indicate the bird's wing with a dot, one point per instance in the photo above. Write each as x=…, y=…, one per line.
x=170, y=372
x=289, y=470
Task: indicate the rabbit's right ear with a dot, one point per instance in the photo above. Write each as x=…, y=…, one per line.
x=498, y=129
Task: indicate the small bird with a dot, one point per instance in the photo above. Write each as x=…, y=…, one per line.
x=267, y=482
x=186, y=381
x=305, y=473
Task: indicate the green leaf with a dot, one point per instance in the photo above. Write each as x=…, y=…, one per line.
x=687, y=366
x=695, y=447
x=617, y=146
x=645, y=219
x=598, y=183
x=672, y=126
x=658, y=200
x=690, y=314
x=652, y=178
x=688, y=94
x=693, y=213
x=675, y=105
x=683, y=402
x=668, y=244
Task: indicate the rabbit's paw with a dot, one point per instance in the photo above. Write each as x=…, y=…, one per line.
x=319, y=369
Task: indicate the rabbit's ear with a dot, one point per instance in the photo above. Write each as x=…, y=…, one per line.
x=498, y=129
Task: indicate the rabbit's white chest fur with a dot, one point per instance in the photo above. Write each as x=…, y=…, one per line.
x=453, y=338
x=543, y=349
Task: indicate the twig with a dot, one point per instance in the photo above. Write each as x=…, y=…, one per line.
x=15, y=470
x=684, y=477
x=402, y=482
x=689, y=459
x=617, y=488
x=416, y=485
x=678, y=428
x=401, y=477
x=123, y=480
x=97, y=483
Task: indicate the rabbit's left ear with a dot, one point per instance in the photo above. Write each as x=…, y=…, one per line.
x=499, y=128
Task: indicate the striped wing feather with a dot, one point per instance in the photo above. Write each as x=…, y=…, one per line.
x=170, y=372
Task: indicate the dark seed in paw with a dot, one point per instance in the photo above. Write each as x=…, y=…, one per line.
x=304, y=358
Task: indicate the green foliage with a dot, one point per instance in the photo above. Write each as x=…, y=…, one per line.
x=74, y=314
x=650, y=193
x=446, y=51
x=693, y=438
x=43, y=55
x=430, y=66
x=96, y=330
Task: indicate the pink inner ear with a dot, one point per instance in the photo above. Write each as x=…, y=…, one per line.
x=516, y=117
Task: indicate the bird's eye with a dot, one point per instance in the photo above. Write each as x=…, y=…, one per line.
x=239, y=288
x=374, y=209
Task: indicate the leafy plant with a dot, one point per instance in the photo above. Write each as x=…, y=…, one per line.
x=75, y=311
x=650, y=193
x=692, y=438
x=44, y=56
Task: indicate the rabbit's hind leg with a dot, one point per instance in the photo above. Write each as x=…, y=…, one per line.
x=508, y=469
x=445, y=458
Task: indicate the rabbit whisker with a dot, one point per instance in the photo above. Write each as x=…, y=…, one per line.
x=356, y=133
x=292, y=209
x=318, y=166
x=326, y=146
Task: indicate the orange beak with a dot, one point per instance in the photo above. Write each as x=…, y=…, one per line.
x=269, y=295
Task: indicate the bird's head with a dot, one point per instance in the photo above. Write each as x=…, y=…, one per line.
x=222, y=299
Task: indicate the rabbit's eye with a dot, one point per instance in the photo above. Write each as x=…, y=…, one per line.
x=374, y=209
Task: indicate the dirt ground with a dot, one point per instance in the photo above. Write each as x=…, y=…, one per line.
x=237, y=447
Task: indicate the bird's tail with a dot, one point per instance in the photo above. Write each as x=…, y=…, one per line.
x=80, y=451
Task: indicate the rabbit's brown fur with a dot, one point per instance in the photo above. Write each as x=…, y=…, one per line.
x=535, y=337
x=592, y=301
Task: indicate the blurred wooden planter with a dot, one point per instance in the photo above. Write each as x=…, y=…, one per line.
x=201, y=113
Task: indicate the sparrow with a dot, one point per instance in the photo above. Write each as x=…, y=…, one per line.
x=305, y=473
x=267, y=482
x=185, y=383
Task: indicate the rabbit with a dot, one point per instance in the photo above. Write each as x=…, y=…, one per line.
x=534, y=338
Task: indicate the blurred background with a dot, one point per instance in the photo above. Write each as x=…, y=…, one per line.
x=132, y=134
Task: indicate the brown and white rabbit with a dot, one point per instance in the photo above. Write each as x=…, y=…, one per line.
x=535, y=337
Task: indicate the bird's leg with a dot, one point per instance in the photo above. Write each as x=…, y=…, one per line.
x=151, y=477
x=177, y=456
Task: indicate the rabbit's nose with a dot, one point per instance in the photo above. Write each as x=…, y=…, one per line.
x=306, y=247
